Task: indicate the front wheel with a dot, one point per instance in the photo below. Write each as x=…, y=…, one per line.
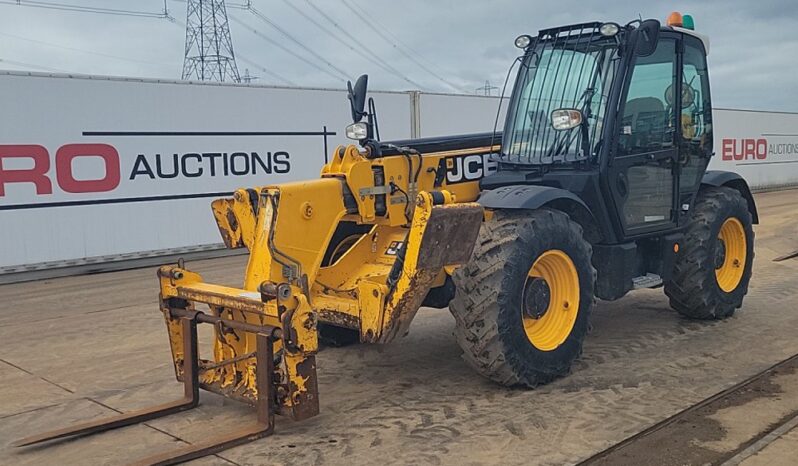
x=523, y=300
x=713, y=268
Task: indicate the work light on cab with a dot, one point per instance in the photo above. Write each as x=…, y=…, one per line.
x=523, y=41
x=609, y=29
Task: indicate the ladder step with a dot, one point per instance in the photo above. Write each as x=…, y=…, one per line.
x=649, y=280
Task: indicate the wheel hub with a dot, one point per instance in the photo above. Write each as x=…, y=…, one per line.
x=720, y=253
x=730, y=254
x=550, y=300
x=537, y=297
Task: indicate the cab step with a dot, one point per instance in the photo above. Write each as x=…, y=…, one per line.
x=649, y=280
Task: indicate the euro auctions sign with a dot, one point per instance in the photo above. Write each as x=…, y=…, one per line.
x=758, y=149
x=34, y=176
x=104, y=195
x=38, y=174
x=760, y=146
x=96, y=169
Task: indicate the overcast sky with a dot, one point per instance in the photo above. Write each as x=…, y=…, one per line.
x=444, y=46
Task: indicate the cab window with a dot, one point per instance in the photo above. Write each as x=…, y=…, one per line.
x=646, y=123
x=695, y=115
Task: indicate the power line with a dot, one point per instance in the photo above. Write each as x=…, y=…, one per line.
x=379, y=32
x=291, y=38
x=31, y=65
x=101, y=54
x=373, y=58
x=237, y=6
x=84, y=9
x=386, y=30
x=283, y=48
x=265, y=70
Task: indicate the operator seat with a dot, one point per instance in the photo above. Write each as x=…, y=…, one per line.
x=646, y=118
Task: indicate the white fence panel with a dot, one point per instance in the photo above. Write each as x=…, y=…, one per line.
x=99, y=169
x=760, y=146
x=445, y=114
x=108, y=167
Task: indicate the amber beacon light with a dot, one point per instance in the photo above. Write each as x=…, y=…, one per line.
x=676, y=19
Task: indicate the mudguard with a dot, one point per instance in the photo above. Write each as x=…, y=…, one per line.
x=536, y=196
x=718, y=178
x=525, y=197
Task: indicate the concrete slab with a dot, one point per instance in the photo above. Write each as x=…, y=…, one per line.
x=782, y=452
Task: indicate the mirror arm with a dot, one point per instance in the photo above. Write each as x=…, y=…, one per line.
x=373, y=121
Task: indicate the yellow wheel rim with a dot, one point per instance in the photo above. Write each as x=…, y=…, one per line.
x=550, y=330
x=730, y=271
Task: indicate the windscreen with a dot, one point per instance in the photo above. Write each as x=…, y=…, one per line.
x=572, y=68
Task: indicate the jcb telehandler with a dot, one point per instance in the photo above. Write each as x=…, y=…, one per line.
x=596, y=186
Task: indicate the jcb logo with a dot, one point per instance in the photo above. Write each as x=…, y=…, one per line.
x=464, y=168
x=64, y=176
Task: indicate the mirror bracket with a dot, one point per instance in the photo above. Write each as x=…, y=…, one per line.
x=645, y=37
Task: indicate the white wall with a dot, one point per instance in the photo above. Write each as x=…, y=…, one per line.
x=446, y=114
x=760, y=146
x=56, y=111
x=140, y=214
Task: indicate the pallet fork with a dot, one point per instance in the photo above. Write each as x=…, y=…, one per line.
x=264, y=405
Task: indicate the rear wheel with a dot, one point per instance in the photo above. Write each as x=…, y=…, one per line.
x=523, y=301
x=713, y=268
x=330, y=335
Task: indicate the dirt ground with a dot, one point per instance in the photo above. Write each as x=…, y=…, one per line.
x=76, y=348
x=725, y=428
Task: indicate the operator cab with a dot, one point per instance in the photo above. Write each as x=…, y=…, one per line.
x=593, y=111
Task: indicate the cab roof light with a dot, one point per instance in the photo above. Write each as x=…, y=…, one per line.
x=523, y=41
x=688, y=22
x=609, y=29
x=675, y=19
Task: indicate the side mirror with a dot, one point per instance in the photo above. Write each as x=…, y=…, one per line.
x=646, y=37
x=357, y=97
x=566, y=118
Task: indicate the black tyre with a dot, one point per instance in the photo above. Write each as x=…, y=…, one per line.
x=330, y=335
x=713, y=268
x=523, y=301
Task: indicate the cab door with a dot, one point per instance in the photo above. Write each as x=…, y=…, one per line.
x=643, y=170
x=695, y=147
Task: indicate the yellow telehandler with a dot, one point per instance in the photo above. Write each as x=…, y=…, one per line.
x=596, y=186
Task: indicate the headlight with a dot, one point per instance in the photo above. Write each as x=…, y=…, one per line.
x=566, y=118
x=357, y=131
x=609, y=29
x=523, y=41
